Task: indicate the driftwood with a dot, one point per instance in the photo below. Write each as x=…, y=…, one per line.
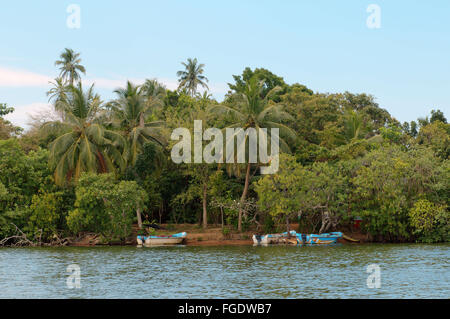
x=21, y=239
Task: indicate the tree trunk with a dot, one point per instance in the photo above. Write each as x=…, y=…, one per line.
x=243, y=197
x=287, y=226
x=205, y=213
x=139, y=218
x=325, y=222
x=141, y=120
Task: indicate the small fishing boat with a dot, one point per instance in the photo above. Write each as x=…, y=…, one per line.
x=161, y=240
x=298, y=239
x=273, y=238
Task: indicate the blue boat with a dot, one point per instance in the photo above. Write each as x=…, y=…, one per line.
x=297, y=238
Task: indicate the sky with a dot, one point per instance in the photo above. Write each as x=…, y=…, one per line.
x=326, y=45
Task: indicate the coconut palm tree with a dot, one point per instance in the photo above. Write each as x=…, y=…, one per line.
x=57, y=94
x=130, y=111
x=154, y=93
x=69, y=65
x=252, y=111
x=192, y=76
x=353, y=126
x=83, y=144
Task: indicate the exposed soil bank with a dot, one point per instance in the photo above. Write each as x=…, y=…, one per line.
x=197, y=236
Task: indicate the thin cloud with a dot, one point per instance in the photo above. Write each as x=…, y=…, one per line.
x=23, y=113
x=10, y=77
x=22, y=78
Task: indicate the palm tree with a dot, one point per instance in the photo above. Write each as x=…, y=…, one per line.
x=192, y=76
x=253, y=111
x=83, y=145
x=353, y=126
x=130, y=110
x=69, y=65
x=154, y=93
x=57, y=94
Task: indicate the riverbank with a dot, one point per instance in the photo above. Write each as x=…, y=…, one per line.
x=197, y=236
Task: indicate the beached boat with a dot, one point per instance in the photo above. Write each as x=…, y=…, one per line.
x=161, y=240
x=274, y=238
x=297, y=238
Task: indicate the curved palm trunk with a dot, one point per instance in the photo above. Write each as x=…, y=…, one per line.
x=244, y=196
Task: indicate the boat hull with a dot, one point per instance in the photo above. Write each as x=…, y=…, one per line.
x=161, y=240
x=298, y=239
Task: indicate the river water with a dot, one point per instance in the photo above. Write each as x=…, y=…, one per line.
x=405, y=271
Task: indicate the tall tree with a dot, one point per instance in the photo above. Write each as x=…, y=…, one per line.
x=69, y=65
x=199, y=173
x=7, y=129
x=250, y=110
x=192, y=76
x=353, y=126
x=83, y=144
x=438, y=115
x=130, y=111
x=58, y=92
x=267, y=78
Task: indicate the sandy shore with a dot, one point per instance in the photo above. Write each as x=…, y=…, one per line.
x=197, y=236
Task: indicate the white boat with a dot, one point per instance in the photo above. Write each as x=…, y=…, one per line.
x=274, y=238
x=161, y=240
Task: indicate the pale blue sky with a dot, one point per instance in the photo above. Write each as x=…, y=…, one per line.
x=325, y=45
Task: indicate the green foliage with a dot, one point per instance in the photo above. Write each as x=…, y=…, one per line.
x=438, y=115
x=436, y=136
x=47, y=215
x=5, y=110
x=3, y=192
x=350, y=158
x=392, y=134
x=22, y=175
x=7, y=129
x=192, y=76
x=226, y=232
x=268, y=79
x=386, y=184
x=431, y=222
x=69, y=66
x=106, y=206
x=269, y=225
x=317, y=190
x=84, y=145
x=130, y=110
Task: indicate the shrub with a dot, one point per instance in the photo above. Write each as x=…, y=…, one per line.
x=46, y=215
x=431, y=222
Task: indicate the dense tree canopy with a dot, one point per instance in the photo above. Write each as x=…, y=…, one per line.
x=100, y=166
